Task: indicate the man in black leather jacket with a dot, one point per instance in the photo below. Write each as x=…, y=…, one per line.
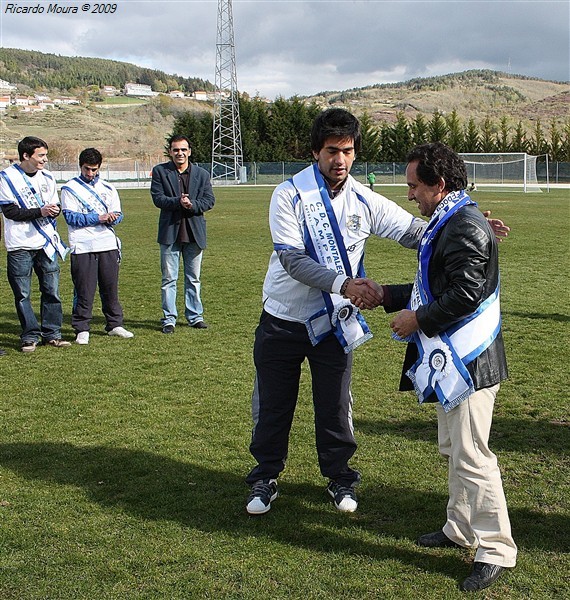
x=459, y=260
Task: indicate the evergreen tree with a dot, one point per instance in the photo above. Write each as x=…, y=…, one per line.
x=437, y=129
x=487, y=139
x=455, y=137
x=502, y=143
x=471, y=137
x=419, y=128
x=371, y=140
x=519, y=142
x=565, y=150
x=538, y=145
x=401, y=135
x=556, y=144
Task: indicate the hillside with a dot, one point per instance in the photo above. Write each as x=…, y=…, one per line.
x=52, y=72
x=119, y=131
x=477, y=94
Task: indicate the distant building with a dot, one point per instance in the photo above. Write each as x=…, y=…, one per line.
x=200, y=95
x=110, y=90
x=4, y=102
x=23, y=101
x=176, y=94
x=6, y=86
x=139, y=89
x=66, y=101
x=41, y=97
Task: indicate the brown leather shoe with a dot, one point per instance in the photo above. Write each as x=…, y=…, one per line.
x=482, y=576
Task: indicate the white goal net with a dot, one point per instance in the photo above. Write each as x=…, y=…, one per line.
x=502, y=171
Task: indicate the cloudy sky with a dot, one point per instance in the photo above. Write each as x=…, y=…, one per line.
x=288, y=47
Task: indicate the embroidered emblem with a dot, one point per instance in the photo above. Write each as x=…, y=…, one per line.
x=44, y=188
x=353, y=222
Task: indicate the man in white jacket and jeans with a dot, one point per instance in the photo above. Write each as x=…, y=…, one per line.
x=29, y=202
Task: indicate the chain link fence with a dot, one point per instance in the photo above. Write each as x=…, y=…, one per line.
x=137, y=173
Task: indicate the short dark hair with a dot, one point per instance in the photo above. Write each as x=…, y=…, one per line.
x=335, y=122
x=178, y=138
x=29, y=145
x=437, y=161
x=90, y=156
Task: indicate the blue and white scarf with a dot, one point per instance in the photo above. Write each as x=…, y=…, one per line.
x=325, y=245
x=86, y=195
x=23, y=190
x=441, y=366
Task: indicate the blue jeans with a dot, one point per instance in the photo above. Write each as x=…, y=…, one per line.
x=19, y=267
x=169, y=264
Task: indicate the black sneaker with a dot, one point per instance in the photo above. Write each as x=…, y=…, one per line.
x=168, y=329
x=263, y=492
x=344, y=497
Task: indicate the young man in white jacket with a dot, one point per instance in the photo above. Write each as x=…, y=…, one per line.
x=91, y=208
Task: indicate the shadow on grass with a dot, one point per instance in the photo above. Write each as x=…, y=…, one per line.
x=509, y=434
x=535, y=315
x=155, y=487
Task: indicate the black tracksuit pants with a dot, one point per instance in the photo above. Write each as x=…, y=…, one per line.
x=280, y=349
x=87, y=271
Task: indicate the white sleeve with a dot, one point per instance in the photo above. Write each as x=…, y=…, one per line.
x=115, y=204
x=70, y=202
x=391, y=221
x=286, y=230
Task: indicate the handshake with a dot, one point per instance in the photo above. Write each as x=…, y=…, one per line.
x=364, y=293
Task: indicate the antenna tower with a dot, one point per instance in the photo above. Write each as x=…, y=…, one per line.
x=227, y=156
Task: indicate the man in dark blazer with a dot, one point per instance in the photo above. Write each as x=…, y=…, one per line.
x=183, y=193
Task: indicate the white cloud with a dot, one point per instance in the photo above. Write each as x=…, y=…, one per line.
x=288, y=47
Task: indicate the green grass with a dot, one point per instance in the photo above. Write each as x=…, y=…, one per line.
x=122, y=462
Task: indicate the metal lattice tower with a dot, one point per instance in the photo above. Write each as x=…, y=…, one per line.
x=227, y=156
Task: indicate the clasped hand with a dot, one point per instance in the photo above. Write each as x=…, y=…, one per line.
x=364, y=293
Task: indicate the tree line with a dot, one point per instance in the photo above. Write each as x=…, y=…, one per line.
x=280, y=131
x=43, y=71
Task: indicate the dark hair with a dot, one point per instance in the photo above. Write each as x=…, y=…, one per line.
x=437, y=161
x=90, y=156
x=29, y=144
x=335, y=122
x=178, y=138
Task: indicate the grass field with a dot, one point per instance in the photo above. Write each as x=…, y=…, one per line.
x=122, y=462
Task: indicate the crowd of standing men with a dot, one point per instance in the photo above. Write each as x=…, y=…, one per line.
x=313, y=293
x=91, y=208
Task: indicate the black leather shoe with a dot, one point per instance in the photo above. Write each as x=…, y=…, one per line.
x=437, y=539
x=199, y=325
x=168, y=329
x=2, y=352
x=482, y=576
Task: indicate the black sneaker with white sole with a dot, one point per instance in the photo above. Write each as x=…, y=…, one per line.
x=263, y=492
x=344, y=497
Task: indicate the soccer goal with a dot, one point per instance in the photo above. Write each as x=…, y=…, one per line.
x=502, y=171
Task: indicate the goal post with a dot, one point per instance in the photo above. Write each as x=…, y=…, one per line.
x=502, y=171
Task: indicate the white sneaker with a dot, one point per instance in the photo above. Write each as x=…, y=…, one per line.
x=82, y=338
x=121, y=332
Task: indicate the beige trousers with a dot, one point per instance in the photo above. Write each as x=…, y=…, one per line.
x=477, y=515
